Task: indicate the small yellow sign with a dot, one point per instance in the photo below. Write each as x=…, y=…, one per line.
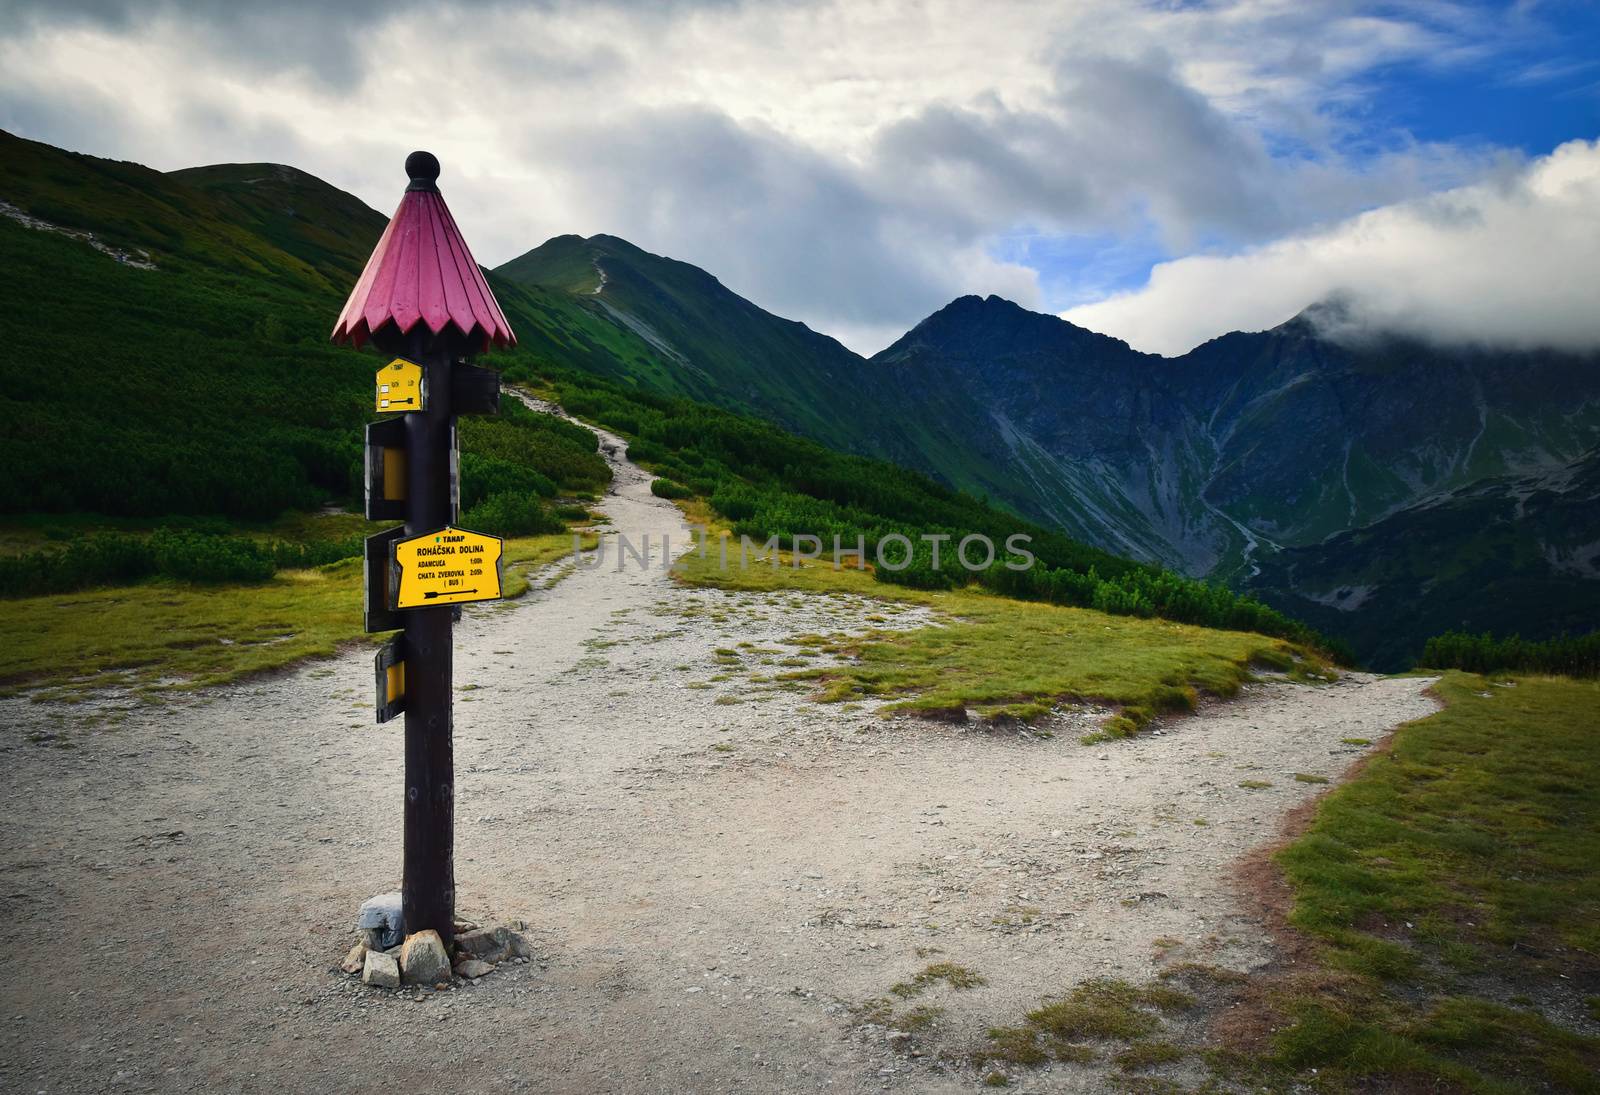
x=401, y=387
x=449, y=567
x=389, y=673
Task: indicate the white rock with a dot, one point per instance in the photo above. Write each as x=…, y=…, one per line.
x=380, y=970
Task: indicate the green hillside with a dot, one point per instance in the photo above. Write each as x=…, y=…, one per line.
x=1499, y=555
x=680, y=331
x=198, y=379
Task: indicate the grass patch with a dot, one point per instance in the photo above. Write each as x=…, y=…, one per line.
x=1104, y=1009
x=164, y=634
x=956, y=976
x=1462, y=857
x=1255, y=784
x=1003, y=657
x=1202, y=973
x=1143, y=1055
x=1482, y=823
x=1451, y=891
x=1307, y=777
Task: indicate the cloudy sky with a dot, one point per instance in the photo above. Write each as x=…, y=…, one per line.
x=1163, y=172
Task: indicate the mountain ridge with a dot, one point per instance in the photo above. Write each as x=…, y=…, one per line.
x=1214, y=461
x=1242, y=460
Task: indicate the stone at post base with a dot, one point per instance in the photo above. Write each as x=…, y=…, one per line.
x=485, y=944
x=356, y=960
x=493, y=944
x=423, y=959
x=381, y=971
x=472, y=968
x=383, y=921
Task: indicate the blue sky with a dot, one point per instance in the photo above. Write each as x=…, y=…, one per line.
x=1156, y=170
x=1525, y=92
x=1543, y=89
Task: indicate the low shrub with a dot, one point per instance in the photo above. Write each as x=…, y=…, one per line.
x=667, y=488
x=181, y=553
x=1572, y=656
x=512, y=514
x=201, y=558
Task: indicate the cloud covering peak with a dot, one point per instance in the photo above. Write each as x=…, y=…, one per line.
x=1512, y=261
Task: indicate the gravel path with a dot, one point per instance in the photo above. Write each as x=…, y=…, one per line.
x=716, y=874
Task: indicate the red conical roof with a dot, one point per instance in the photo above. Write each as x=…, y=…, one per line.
x=422, y=271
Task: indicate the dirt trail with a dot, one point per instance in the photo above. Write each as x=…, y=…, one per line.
x=715, y=873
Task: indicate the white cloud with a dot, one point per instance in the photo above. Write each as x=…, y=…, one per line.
x=849, y=163
x=1512, y=261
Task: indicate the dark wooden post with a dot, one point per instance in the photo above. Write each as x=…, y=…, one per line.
x=423, y=298
x=428, y=887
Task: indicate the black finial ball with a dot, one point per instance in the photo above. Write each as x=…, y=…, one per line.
x=423, y=167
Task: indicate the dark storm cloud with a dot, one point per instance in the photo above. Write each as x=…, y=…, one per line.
x=774, y=219
x=1121, y=140
x=316, y=39
x=1118, y=143
x=868, y=243
x=319, y=39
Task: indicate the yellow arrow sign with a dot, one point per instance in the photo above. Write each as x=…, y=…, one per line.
x=449, y=567
x=401, y=387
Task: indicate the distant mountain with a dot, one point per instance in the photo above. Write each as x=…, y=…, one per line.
x=1509, y=554
x=330, y=231
x=693, y=336
x=1069, y=426
x=173, y=358
x=1250, y=447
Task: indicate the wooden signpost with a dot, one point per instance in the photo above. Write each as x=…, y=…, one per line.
x=423, y=301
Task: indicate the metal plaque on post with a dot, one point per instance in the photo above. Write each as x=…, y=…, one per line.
x=474, y=390
x=389, y=671
x=375, y=601
x=386, y=470
x=402, y=386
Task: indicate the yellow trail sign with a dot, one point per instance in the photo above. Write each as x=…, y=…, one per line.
x=448, y=567
x=389, y=674
x=400, y=386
